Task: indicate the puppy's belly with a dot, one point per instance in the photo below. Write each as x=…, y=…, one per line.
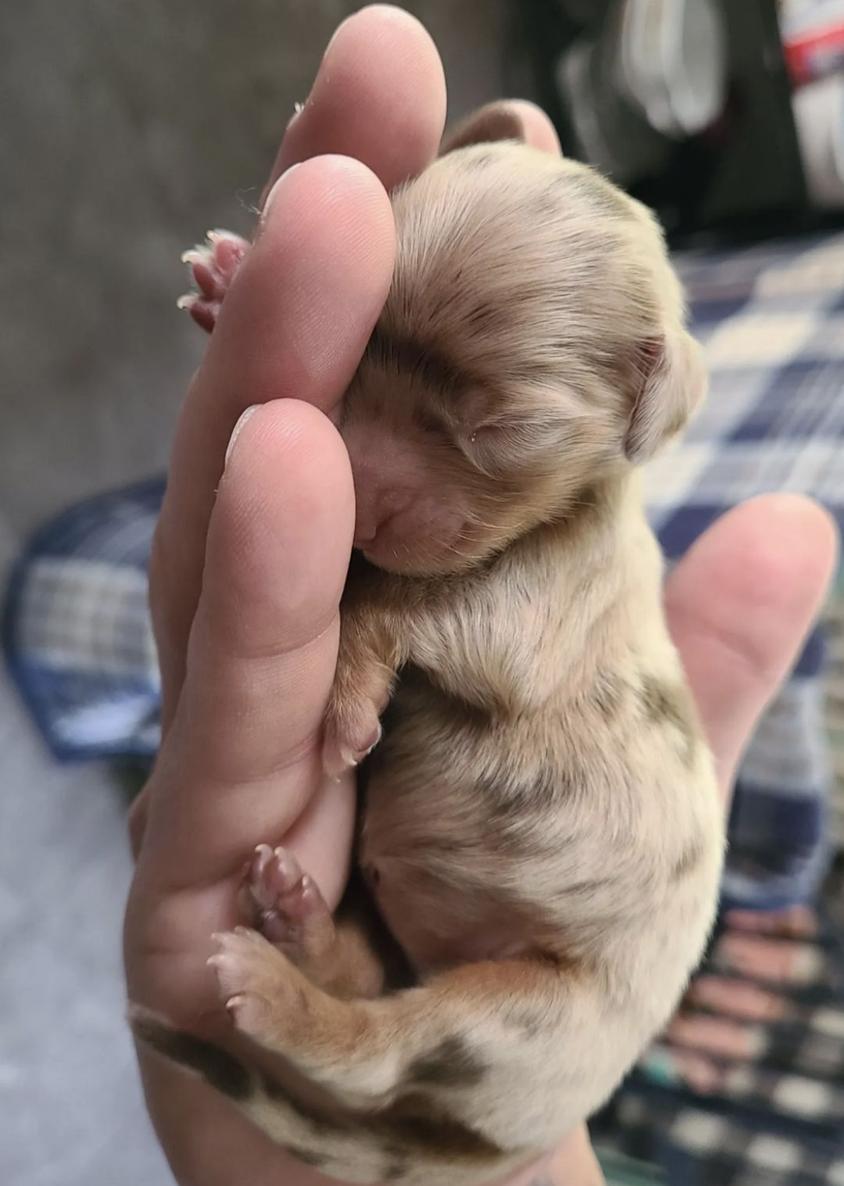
x=449, y=884
x=440, y=930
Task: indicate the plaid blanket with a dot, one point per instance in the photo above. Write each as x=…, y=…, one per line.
x=79, y=642
x=771, y=318
x=777, y=1120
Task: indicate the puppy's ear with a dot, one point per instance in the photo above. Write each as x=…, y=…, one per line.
x=670, y=381
x=494, y=121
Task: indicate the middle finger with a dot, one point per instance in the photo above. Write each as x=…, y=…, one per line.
x=379, y=96
x=293, y=324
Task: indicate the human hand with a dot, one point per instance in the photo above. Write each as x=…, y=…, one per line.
x=246, y=582
x=248, y=565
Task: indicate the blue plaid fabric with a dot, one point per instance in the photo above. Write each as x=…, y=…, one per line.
x=774, y=1120
x=771, y=318
x=77, y=633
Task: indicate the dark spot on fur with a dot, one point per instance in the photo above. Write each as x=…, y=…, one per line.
x=689, y=861
x=413, y=1123
x=528, y=1021
x=608, y=694
x=396, y=1169
x=517, y=803
x=588, y=887
x=485, y=317
x=214, y=1064
x=595, y=190
x=670, y=704
x=587, y=498
x=306, y=1156
x=429, y=421
x=591, y=503
x=322, y=1119
x=415, y=689
x=429, y=363
x=527, y=368
x=450, y=1064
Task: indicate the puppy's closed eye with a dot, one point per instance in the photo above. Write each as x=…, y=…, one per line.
x=431, y=422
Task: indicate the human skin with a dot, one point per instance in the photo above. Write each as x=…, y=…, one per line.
x=249, y=563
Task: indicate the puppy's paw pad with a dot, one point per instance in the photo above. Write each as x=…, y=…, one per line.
x=212, y=265
x=291, y=911
x=273, y=873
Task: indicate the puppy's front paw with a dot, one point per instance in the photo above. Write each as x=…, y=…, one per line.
x=351, y=732
x=252, y=978
x=213, y=265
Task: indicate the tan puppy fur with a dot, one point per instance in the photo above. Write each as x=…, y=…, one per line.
x=541, y=829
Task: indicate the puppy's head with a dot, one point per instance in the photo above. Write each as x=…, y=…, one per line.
x=532, y=343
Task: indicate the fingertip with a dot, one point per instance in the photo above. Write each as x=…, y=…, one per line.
x=331, y=178
x=384, y=35
x=775, y=548
x=799, y=531
x=303, y=302
x=286, y=447
x=337, y=199
x=379, y=96
x=282, y=526
x=374, y=19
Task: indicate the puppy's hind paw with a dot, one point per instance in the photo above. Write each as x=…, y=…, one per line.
x=290, y=911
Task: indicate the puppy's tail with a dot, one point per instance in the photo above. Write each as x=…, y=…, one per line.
x=406, y=1142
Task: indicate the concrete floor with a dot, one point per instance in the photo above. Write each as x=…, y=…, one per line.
x=128, y=129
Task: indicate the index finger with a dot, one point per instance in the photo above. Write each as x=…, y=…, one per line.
x=379, y=96
x=294, y=324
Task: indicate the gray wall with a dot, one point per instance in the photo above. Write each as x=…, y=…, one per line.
x=129, y=128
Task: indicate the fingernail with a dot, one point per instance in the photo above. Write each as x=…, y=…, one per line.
x=236, y=431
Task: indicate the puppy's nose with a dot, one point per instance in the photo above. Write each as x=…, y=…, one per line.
x=367, y=525
x=367, y=522
x=374, y=511
x=364, y=535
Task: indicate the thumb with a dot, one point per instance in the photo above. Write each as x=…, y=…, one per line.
x=740, y=605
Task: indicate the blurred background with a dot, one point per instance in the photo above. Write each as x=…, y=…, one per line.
x=127, y=131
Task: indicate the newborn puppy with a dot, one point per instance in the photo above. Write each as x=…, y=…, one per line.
x=540, y=830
